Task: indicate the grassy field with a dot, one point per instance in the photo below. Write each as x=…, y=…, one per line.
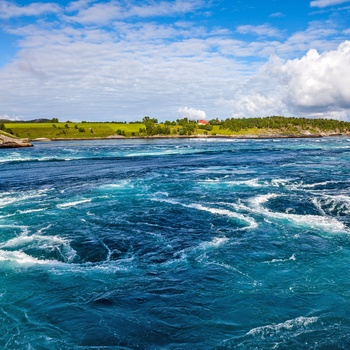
x=71, y=130
x=64, y=130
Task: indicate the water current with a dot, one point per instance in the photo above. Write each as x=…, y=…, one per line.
x=176, y=244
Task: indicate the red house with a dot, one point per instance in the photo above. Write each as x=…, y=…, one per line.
x=202, y=122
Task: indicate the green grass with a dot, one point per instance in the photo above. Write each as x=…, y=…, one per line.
x=7, y=134
x=71, y=130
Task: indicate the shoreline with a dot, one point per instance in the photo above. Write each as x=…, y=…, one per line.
x=12, y=142
x=157, y=137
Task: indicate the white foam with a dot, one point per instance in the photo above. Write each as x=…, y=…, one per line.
x=314, y=221
x=6, y=216
x=254, y=183
x=298, y=185
x=48, y=241
x=119, y=184
x=9, y=198
x=289, y=325
x=252, y=223
x=72, y=204
x=23, y=259
x=340, y=204
x=214, y=243
x=219, y=171
x=45, y=243
x=29, y=211
x=163, y=152
x=224, y=212
x=292, y=258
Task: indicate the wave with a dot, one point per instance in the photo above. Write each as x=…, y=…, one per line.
x=44, y=245
x=118, y=184
x=313, y=221
x=196, y=252
x=10, y=160
x=289, y=325
x=163, y=152
x=223, y=212
x=338, y=205
x=73, y=204
x=291, y=184
x=219, y=171
x=291, y=258
x=22, y=258
x=215, y=242
x=9, y=198
x=29, y=211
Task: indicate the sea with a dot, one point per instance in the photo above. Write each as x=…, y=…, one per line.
x=176, y=244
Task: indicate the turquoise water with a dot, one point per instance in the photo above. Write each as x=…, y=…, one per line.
x=176, y=244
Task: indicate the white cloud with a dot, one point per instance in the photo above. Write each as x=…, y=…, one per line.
x=78, y=5
x=9, y=9
x=165, y=8
x=105, y=12
x=261, y=30
x=316, y=85
x=317, y=81
x=192, y=113
x=135, y=70
x=277, y=15
x=326, y=3
x=7, y=117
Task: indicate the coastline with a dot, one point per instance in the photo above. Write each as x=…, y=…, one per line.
x=12, y=142
x=155, y=137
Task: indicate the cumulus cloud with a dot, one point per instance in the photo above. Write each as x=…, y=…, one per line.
x=326, y=3
x=317, y=85
x=192, y=113
x=10, y=9
x=317, y=81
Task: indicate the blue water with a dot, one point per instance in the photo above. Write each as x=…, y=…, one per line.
x=176, y=244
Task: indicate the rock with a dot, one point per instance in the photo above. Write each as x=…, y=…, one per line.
x=41, y=139
x=12, y=142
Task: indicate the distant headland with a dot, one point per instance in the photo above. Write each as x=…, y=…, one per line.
x=20, y=133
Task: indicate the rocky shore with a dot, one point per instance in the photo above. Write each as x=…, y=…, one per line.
x=12, y=142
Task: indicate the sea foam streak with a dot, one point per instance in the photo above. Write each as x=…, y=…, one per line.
x=224, y=212
x=9, y=198
x=73, y=204
x=297, y=323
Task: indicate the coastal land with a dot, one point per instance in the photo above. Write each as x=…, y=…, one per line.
x=8, y=141
x=21, y=134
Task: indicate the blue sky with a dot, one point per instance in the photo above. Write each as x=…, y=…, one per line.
x=121, y=60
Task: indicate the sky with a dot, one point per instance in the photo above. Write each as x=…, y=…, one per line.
x=120, y=60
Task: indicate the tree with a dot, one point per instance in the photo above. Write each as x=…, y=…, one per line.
x=149, y=125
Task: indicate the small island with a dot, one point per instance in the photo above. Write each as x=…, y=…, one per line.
x=20, y=133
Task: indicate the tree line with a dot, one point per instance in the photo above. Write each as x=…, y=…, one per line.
x=285, y=123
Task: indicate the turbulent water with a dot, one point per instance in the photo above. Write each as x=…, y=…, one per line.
x=176, y=244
